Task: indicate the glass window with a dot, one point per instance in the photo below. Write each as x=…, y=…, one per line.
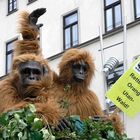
x=109, y=19
x=71, y=19
x=67, y=38
x=71, y=30
x=108, y=2
x=113, y=14
x=137, y=8
x=118, y=16
x=12, y=5
x=9, y=55
x=75, y=34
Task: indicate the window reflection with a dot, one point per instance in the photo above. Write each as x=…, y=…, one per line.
x=137, y=8
x=109, y=19
x=108, y=2
x=118, y=16
x=9, y=55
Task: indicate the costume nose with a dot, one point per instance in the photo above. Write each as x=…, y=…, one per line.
x=31, y=77
x=81, y=70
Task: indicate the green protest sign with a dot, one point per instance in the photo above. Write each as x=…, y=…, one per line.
x=125, y=93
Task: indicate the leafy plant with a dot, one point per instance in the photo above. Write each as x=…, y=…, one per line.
x=24, y=125
x=90, y=130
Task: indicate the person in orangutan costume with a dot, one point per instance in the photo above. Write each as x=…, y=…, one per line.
x=71, y=87
x=31, y=76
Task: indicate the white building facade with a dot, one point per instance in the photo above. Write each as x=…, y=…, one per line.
x=75, y=23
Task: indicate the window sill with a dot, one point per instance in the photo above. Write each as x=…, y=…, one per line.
x=11, y=12
x=31, y=2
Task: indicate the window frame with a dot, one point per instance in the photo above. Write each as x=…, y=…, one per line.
x=135, y=11
x=8, y=53
x=112, y=6
x=70, y=26
x=13, y=9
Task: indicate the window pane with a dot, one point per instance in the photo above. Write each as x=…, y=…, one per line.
x=117, y=16
x=75, y=35
x=67, y=38
x=10, y=46
x=109, y=20
x=15, y=5
x=10, y=7
x=9, y=54
x=108, y=2
x=9, y=62
x=71, y=19
x=137, y=8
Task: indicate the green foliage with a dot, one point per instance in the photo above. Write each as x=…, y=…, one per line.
x=90, y=130
x=23, y=125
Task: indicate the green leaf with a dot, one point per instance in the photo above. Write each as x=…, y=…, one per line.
x=30, y=118
x=37, y=125
x=36, y=135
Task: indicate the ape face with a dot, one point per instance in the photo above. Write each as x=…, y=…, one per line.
x=79, y=71
x=30, y=72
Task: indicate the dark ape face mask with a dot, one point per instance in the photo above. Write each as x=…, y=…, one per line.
x=79, y=71
x=30, y=72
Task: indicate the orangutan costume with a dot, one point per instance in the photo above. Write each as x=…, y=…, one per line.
x=71, y=87
x=27, y=55
x=75, y=96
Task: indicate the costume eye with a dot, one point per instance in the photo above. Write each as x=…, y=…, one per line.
x=76, y=66
x=36, y=71
x=85, y=69
x=25, y=71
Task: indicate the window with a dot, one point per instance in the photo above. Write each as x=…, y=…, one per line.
x=113, y=14
x=137, y=8
x=9, y=54
x=12, y=5
x=70, y=24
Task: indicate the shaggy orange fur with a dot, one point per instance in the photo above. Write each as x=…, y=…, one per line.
x=28, y=31
x=77, y=98
x=116, y=120
x=12, y=96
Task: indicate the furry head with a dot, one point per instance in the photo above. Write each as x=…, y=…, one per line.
x=75, y=56
x=29, y=49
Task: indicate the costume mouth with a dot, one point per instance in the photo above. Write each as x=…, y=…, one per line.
x=79, y=78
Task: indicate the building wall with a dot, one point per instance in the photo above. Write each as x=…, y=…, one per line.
x=91, y=16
